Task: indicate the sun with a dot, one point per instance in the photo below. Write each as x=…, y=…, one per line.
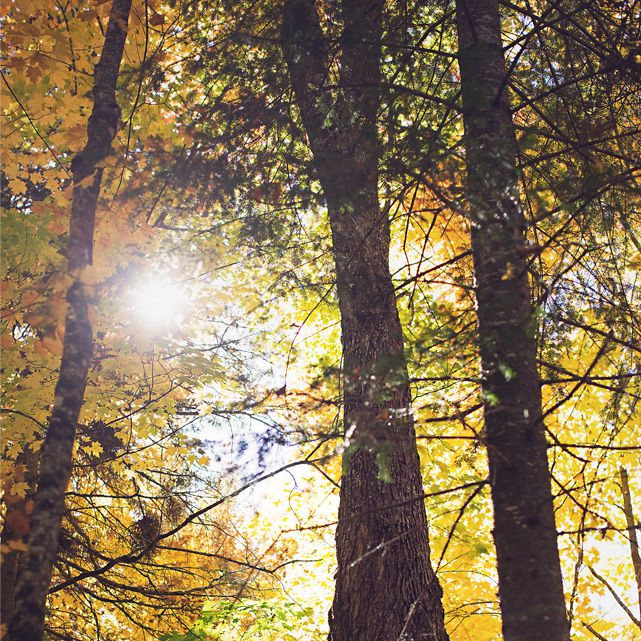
x=159, y=304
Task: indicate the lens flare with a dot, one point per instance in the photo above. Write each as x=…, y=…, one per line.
x=159, y=304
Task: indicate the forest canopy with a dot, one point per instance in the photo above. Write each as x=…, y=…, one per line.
x=320, y=318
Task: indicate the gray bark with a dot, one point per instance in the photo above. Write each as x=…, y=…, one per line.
x=530, y=581
x=27, y=623
x=386, y=588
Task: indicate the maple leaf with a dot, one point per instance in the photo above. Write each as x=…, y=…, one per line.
x=95, y=449
x=20, y=488
x=18, y=186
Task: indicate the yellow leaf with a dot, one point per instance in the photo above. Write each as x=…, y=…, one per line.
x=14, y=450
x=20, y=489
x=95, y=449
x=36, y=445
x=17, y=186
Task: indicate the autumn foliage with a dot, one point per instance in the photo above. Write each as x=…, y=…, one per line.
x=211, y=443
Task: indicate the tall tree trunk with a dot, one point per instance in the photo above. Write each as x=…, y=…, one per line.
x=27, y=623
x=530, y=581
x=385, y=586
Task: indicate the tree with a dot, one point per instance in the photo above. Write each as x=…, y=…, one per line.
x=211, y=197
x=531, y=587
x=36, y=566
x=385, y=586
x=382, y=528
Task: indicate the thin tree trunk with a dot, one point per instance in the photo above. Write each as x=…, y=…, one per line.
x=385, y=586
x=530, y=580
x=27, y=623
x=632, y=530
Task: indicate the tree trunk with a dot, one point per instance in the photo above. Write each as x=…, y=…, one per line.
x=531, y=589
x=27, y=623
x=385, y=586
x=632, y=530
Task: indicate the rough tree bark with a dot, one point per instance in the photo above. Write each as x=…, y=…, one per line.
x=386, y=588
x=27, y=623
x=531, y=589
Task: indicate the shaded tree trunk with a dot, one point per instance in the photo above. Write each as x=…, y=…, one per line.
x=386, y=588
x=27, y=623
x=530, y=581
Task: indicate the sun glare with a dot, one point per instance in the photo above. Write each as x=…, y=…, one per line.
x=159, y=304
